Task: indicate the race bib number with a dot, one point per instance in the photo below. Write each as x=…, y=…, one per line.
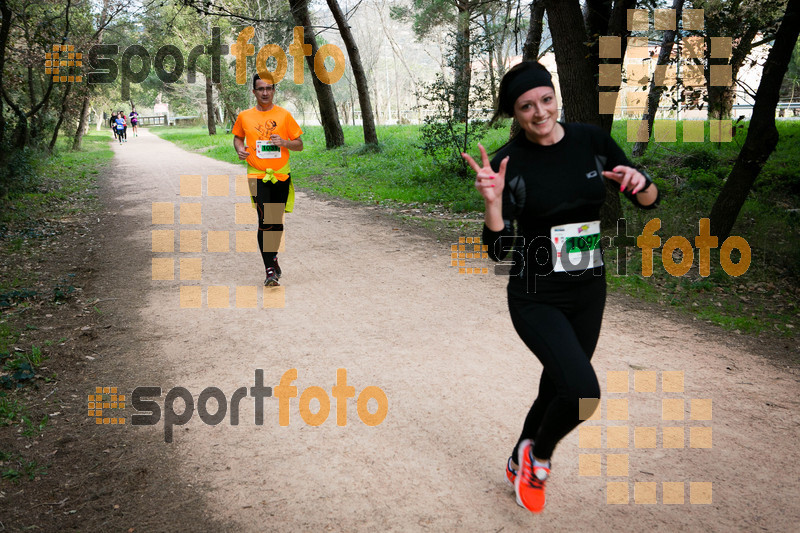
x=576, y=247
x=267, y=150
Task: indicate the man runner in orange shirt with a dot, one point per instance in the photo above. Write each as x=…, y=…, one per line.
x=263, y=137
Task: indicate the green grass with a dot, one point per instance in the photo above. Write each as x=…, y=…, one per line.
x=15, y=467
x=690, y=176
x=57, y=183
x=398, y=172
x=14, y=413
x=8, y=336
x=59, y=187
x=56, y=188
x=11, y=411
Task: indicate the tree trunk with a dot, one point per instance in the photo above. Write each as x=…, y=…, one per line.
x=76, y=144
x=533, y=41
x=230, y=115
x=722, y=98
x=462, y=67
x=83, y=128
x=617, y=26
x=367, y=120
x=597, y=15
x=575, y=74
x=609, y=22
x=61, y=113
x=21, y=131
x=334, y=137
x=491, y=50
x=654, y=95
x=762, y=135
x=212, y=126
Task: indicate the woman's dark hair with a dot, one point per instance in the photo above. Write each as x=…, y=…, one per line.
x=507, y=95
x=267, y=79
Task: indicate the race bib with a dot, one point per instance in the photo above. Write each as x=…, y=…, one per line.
x=267, y=150
x=576, y=247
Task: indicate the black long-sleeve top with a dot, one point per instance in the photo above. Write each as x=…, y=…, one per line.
x=549, y=186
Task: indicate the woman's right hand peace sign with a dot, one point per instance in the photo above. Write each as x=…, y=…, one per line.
x=488, y=182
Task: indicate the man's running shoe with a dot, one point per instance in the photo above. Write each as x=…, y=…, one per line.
x=511, y=474
x=272, y=278
x=530, y=480
x=277, y=267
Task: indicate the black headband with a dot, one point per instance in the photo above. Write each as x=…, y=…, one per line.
x=525, y=81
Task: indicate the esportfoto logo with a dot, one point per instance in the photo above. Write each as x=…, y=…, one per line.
x=63, y=57
x=148, y=410
x=105, y=69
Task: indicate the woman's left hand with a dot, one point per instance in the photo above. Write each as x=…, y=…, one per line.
x=628, y=178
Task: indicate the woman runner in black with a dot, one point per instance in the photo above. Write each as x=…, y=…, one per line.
x=113, y=122
x=550, y=179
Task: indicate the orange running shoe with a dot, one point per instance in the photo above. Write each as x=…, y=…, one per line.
x=530, y=480
x=511, y=474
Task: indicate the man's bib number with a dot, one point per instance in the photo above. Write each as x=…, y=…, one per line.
x=267, y=150
x=576, y=246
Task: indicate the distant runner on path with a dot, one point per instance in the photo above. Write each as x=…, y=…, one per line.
x=134, y=116
x=113, y=122
x=121, y=128
x=263, y=136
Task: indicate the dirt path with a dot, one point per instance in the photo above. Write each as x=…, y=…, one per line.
x=384, y=304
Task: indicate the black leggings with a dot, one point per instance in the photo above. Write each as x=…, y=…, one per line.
x=560, y=323
x=269, y=193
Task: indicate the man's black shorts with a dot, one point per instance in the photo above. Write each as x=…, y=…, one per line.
x=272, y=193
